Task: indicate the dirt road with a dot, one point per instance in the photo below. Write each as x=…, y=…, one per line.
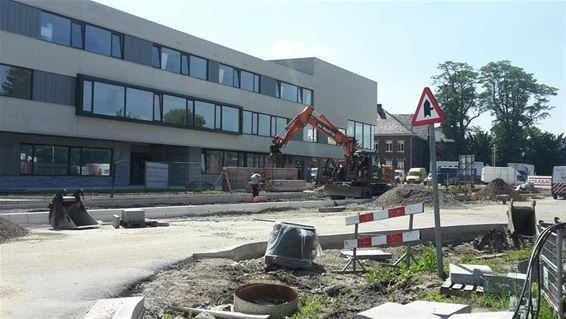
x=60, y=274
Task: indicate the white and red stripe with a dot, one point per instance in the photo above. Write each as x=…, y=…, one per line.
x=384, y=214
x=558, y=188
x=389, y=239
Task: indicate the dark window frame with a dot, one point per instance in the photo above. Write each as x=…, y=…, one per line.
x=79, y=100
x=69, y=147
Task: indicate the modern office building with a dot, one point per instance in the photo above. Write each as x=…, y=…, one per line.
x=84, y=86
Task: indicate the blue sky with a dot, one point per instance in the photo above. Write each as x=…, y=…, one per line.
x=398, y=44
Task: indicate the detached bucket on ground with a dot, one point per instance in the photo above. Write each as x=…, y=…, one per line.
x=69, y=212
x=274, y=300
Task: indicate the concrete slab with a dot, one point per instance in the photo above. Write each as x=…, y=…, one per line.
x=505, y=285
x=484, y=315
x=468, y=274
x=117, y=308
x=441, y=309
x=390, y=310
x=372, y=254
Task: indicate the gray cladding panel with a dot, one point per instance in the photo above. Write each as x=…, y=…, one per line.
x=137, y=50
x=19, y=18
x=53, y=88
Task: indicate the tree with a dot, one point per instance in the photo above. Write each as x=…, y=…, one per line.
x=544, y=150
x=516, y=101
x=457, y=96
x=480, y=144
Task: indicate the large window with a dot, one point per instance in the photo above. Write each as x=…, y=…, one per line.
x=307, y=96
x=204, y=114
x=289, y=92
x=389, y=146
x=174, y=110
x=247, y=123
x=53, y=160
x=264, y=125
x=401, y=146
x=108, y=99
x=55, y=28
x=170, y=60
x=227, y=75
x=77, y=35
x=363, y=133
x=139, y=104
x=230, y=119
x=212, y=161
x=309, y=134
x=98, y=40
x=155, y=57
x=249, y=81
x=15, y=82
x=197, y=67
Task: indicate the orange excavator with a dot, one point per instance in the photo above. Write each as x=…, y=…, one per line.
x=359, y=175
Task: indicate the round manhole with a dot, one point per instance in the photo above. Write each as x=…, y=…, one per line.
x=266, y=299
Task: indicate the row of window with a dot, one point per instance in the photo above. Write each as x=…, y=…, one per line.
x=213, y=161
x=15, y=82
x=262, y=124
x=389, y=146
x=53, y=160
x=55, y=28
x=126, y=102
x=84, y=36
x=400, y=163
x=363, y=133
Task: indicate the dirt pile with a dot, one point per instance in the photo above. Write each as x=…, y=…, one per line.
x=497, y=187
x=9, y=230
x=412, y=194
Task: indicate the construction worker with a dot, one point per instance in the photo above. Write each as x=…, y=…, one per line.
x=255, y=179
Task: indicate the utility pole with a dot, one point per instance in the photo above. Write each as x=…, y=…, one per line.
x=493, y=157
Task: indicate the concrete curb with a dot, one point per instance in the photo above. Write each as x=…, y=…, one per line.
x=450, y=234
x=117, y=308
x=106, y=215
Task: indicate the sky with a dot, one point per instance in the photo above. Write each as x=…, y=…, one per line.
x=398, y=44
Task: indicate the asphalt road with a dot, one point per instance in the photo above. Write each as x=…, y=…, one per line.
x=60, y=274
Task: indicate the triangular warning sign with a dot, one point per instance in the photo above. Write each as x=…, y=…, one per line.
x=428, y=111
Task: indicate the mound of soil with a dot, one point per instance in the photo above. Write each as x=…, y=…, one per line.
x=9, y=230
x=497, y=187
x=413, y=194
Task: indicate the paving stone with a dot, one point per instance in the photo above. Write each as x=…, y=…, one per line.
x=468, y=274
x=390, y=310
x=484, y=315
x=117, y=308
x=441, y=309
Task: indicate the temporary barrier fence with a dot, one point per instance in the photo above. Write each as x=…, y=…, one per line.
x=380, y=240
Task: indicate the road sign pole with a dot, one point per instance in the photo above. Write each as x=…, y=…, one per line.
x=437, y=233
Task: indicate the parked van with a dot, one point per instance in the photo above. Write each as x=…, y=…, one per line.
x=416, y=175
x=558, y=187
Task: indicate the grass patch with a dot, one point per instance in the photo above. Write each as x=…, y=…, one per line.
x=518, y=255
x=310, y=307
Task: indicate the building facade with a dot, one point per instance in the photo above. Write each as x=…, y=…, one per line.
x=89, y=94
x=402, y=145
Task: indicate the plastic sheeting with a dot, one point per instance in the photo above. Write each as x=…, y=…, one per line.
x=292, y=246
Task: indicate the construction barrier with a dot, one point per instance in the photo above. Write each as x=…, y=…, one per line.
x=381, y=240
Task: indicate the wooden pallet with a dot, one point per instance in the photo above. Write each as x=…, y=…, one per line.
x=448, y=288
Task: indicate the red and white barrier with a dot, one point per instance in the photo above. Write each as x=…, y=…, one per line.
x=390, y=239
x=384, y=214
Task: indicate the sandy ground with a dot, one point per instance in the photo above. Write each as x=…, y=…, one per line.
x=60, y=274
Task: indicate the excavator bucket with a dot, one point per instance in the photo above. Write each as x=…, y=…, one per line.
x=69, y=212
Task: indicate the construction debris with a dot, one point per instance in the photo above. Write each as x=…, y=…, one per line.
x=404, y=195
x=468, y=274
x=494, y=240
x=441, y=309
x=495, y=188
x=133, y=218
x=395, y=310
x=292, y=246
x=9, y=230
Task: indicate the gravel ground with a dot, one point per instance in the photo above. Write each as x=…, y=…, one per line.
x=412, y=194
x=9, y=230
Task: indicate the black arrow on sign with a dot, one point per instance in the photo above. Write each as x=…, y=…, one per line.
x=427, y=108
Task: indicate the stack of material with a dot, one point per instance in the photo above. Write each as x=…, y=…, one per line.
x=495, y=188
x=285, y=185
x=239, y=177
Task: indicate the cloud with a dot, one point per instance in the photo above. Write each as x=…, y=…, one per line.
x=284, y=49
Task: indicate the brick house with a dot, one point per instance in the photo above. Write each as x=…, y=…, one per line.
x=400, y=144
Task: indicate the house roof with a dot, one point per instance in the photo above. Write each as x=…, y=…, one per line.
x=400, y=125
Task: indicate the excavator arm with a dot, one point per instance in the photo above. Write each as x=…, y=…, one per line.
x=319, y=122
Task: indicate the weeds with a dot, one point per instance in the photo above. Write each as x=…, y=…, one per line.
x=310, y=307
x=518, y=255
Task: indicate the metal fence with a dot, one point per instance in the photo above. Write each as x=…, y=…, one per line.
x=552, y=263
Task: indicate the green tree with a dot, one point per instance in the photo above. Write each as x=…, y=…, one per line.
x=457, y=96
x=480, y=144
x=516, y=101
x=544, y=150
